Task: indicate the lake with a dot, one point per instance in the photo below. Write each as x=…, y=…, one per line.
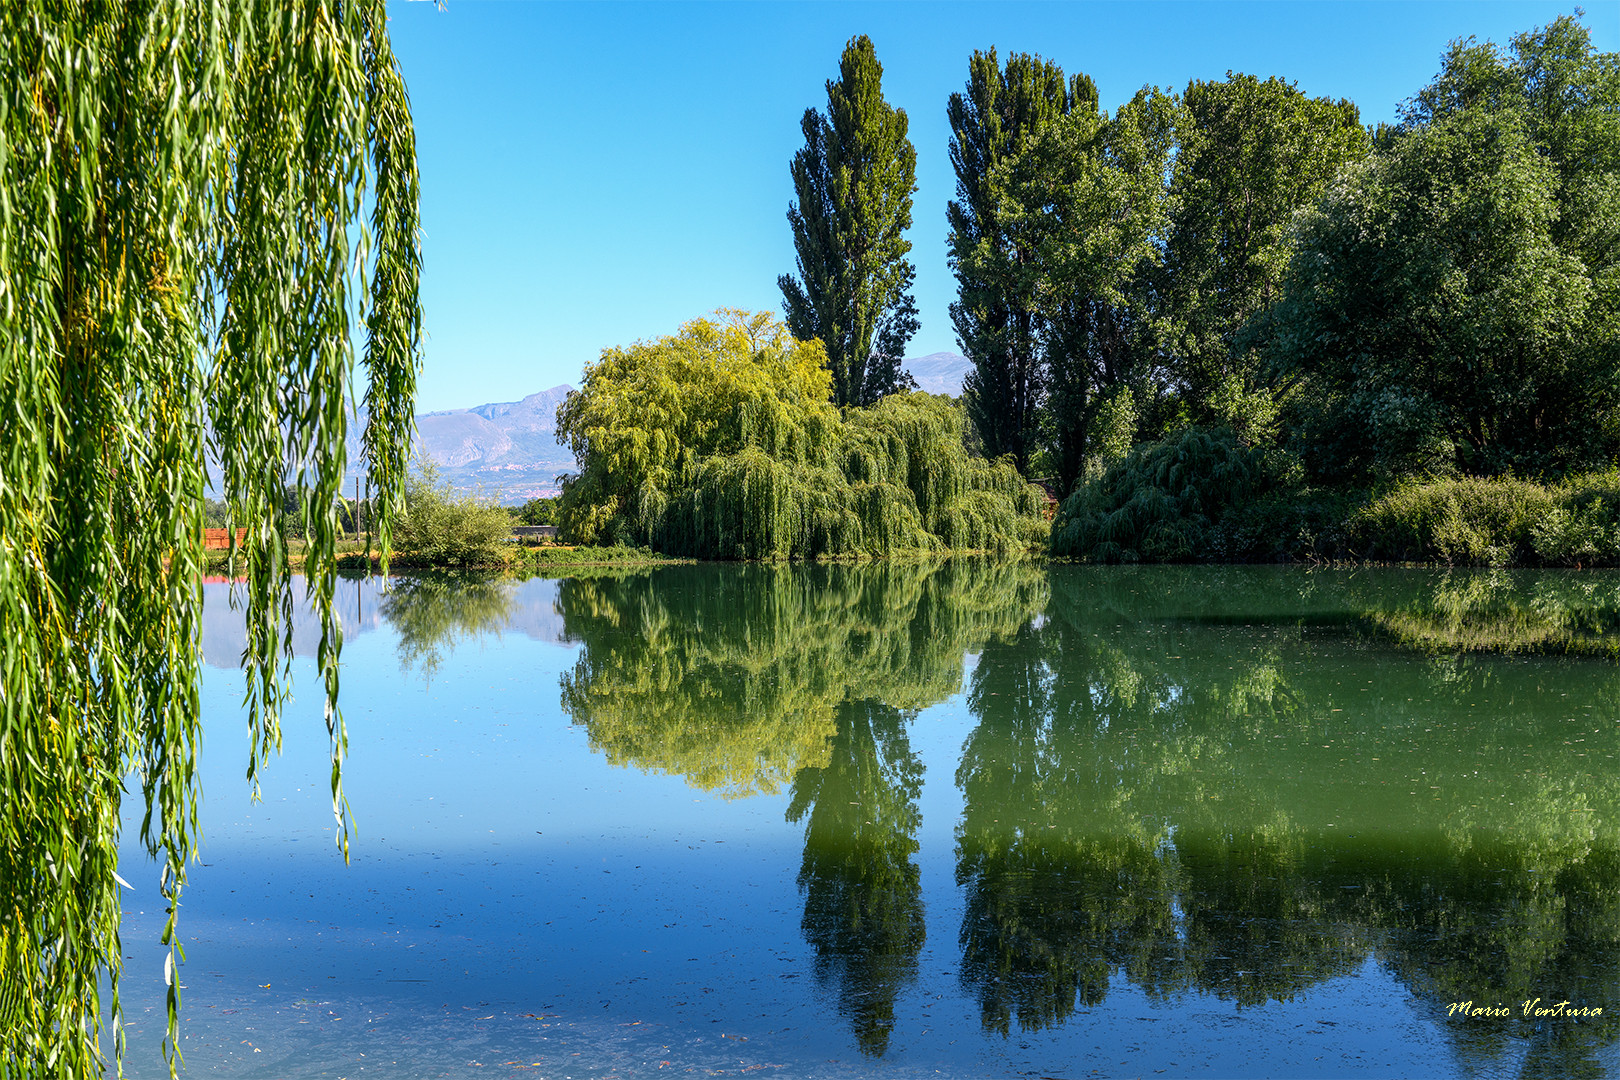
x=913, y=819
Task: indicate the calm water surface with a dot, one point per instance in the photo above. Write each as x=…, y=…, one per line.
x=918, y=819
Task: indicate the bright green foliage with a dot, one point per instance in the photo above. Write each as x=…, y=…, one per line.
x=733, y=677
x=181, y=187
x=1161, y=503
x=1456, y=302
x=719, y=442
x=1475, y=522
x=854, y=180
x=439, y=527
x=994, y=315
x=1251, y=154
x=1088, y=199
x=1467, y=521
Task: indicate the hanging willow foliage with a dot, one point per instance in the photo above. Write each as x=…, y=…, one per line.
x=720, y=443
x=183, y=254
x=733, y=676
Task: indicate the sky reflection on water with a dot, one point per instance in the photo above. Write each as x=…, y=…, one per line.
x=899, y=818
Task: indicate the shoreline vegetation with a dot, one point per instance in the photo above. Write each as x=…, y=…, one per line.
x=1348, y=344
x=1205, y=498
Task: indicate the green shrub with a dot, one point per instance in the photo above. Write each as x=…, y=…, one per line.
x=1467, y=521
x=1161, y=503
x=442, y=528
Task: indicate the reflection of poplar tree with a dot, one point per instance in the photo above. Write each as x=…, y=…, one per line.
x=1057, y=894
x=863, y=909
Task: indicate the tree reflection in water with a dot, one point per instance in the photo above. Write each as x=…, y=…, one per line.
x=732, y=676
x=432, y=612
x=1239, y=782
x=1245, y=784
x=745, y=679
x=863, y=911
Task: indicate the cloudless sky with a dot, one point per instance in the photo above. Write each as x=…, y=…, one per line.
x=595, y=174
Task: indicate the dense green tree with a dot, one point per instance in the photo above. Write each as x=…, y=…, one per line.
x=537, y=511
x=182, y=188
x=994, y=314
x=720, y=442
x=1250, y=155
x=854, y=180
x=1456, y=302
x=1088, y=198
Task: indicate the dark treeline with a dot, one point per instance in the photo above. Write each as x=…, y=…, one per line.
x=1275, y=304
x=1432, y=298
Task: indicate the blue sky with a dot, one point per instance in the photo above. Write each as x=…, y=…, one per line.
x=594, y=174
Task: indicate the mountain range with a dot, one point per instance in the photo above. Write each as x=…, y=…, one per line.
x=505, y=448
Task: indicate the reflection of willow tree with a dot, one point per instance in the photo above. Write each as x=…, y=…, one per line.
x=742, y=678
x=432, y=612
x=1511, y=611
x=863, y=910
x=1228, y=782
x=731, y=676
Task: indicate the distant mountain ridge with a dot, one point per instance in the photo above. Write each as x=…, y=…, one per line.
x=506, y=448
x=940, y=373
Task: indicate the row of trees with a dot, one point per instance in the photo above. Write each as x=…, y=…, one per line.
x=1431, y=297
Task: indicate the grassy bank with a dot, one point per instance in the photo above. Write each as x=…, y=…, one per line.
x=515, y=558
x=518, y=558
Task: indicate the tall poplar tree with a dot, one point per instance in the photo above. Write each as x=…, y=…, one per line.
x=1086, y=204
x=183, y=254
x=994, y=315
x=854, y=180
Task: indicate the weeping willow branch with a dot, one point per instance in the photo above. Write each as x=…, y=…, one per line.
x=720, y=442
x=183, y=254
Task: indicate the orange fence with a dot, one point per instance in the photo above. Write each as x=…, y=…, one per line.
x=220, y=539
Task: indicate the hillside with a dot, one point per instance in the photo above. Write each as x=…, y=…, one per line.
x=940, y=373
x=507, y=448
